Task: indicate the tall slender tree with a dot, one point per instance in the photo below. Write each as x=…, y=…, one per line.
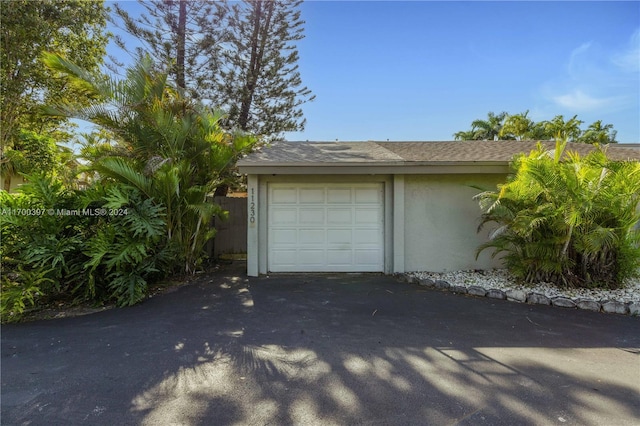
x=259, y=82
x=185, y=34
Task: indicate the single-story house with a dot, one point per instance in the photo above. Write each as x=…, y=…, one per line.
x=387, y=207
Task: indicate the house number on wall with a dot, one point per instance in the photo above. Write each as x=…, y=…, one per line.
x=252, y=208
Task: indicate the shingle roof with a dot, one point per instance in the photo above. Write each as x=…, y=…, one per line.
x=410, y=153
x=321, y=152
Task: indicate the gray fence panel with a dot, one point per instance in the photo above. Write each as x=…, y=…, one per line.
x=231, y=237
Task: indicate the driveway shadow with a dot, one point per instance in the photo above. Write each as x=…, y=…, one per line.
x=322, y=349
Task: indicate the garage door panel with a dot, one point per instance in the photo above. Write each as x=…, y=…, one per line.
x=339, y=216
x=284, y=196
x=367, y=216
x=285, y=236
x=284, y=258
x=307, y=257
x=367, y=257
x=339, y=236
x=367, y=237
x=339, y=257
x=368, y=195
x=286, y=216
x=325, y=227
x=311, y=236
x=338, y=196
x=311, y=216
x=312, y=195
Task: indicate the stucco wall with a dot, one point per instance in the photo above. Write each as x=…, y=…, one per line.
x=441, y=221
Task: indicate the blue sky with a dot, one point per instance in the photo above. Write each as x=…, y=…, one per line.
x=422, y=70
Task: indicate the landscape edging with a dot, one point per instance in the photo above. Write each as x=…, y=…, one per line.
x=515, y=295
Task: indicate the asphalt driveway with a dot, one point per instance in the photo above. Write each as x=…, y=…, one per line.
x=322, y=349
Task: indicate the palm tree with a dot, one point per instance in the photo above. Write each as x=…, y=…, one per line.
x=468, y=135
x=597, y=133
x=173, y=150
x=568, y=221
x=561, y=129
x=518, y=127
x=490, y=128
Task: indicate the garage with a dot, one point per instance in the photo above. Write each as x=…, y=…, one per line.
x=325, y=227
x=390, y=207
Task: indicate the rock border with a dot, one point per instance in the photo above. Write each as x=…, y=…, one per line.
x=533, y=298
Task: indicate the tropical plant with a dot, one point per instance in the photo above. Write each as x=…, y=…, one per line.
x=173, y=150
x=489, y=129
x=566, y=219
x=465, y=135
x=518, y=127
x=128, y=247
x=20, y=291
x=41, y=252
x=597, y=133
x=101, y=245
x=566, y=130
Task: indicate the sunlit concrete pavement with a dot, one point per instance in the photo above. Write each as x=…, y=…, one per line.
x=322, y=349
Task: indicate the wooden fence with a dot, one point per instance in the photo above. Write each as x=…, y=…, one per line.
x=231, y=237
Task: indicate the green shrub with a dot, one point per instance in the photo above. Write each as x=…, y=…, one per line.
x=107, y=256
x=128, y=248
x=569, y=222
x=20, y=291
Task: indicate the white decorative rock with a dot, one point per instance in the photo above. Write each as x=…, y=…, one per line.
x=496, y=294
x=538, y=299
x=634, y=309
x=589, y=305
x=477, y=291
x=409, y=278
x=516, y=295
x=615, y=307
x=563, y=302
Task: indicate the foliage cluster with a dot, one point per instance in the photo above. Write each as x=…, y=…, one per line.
x=55, y=253
x=567, y=220
x=505, y=126
x=164, y=155
x=74, y=28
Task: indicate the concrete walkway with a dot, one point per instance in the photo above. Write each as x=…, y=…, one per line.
x=322, y=349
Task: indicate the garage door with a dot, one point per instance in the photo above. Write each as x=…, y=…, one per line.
x=326, y=227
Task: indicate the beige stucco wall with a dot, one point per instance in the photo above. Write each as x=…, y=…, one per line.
x=441, y=221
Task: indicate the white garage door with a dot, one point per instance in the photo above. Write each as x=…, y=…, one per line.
x=326, y=227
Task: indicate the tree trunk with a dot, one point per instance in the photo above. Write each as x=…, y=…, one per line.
x=181, y=33
x=258, y=42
